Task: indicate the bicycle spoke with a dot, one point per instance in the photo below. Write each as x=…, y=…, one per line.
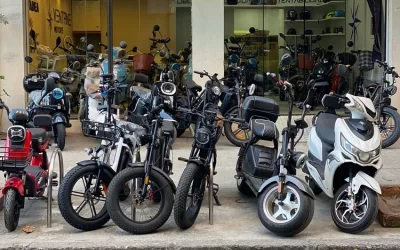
x=80, y=207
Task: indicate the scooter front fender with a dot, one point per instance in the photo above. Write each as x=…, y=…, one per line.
x=59, y=118
x=302, y=185
x=15, y=183
x=362, y=179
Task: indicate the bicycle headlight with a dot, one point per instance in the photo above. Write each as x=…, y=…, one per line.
x=359, y=154
x=58, y=93
x=252, y=88
x=203, y=136
x=394, y=90
x=216, y=90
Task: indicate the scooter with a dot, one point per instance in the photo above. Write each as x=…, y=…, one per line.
x=54, y=102
x=24, y=159
x=285, y=202
x=344, y=155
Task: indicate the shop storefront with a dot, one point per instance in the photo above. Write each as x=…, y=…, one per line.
x=49, y=30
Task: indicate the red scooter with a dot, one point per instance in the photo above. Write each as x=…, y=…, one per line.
x=24, y=160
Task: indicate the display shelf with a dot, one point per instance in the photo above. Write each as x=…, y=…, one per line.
x=249, y=6
x=330, y=34
x=320, y=20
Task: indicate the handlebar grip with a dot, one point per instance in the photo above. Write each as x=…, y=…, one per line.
x=198, y=72
x=237, y=120
x=184, y=110
x=157, y=108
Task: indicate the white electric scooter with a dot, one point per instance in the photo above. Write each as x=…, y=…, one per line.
x=344, y=155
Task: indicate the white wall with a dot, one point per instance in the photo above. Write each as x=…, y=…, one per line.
x=208, y=37
x=12, y=65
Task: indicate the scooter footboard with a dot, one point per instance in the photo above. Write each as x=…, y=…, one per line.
x=363, y=179
x=302, y=185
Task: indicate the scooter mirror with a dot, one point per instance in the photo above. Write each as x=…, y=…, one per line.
x=282, y=36
x=226, y=40
x=76, y=65
x=123, y=45
x=28, y=59
x=350, y=44
x=134, y=49
x=156, y=28
x=90, y=48
x=252, y=30
x=330, y=47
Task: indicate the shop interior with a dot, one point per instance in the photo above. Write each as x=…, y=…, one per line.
x=266, y=30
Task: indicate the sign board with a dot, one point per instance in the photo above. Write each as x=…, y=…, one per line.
x=283, y=3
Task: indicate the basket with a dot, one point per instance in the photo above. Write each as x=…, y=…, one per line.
x=15, y=159
x=306, y=62
x=103, y=131
x=142, y=63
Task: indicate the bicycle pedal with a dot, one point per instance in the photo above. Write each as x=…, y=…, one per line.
x=54, y=183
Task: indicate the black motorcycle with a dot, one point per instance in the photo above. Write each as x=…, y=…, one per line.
x=55, y=103
x=231, y=101
x=150, y=201
x=202, y=161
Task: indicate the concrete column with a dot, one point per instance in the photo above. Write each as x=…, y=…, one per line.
x=208, y=37
x=12, y=51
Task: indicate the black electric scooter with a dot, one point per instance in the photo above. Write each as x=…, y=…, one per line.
x=285, y=203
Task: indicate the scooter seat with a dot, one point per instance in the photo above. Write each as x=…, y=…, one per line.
x=143, y=93
x=39, y=137
x=192, y=85
x=264, y=129
x=325, y=127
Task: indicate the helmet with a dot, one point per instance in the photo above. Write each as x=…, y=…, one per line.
x=305, y=15
x=292, y=31
x=291, y=15
x=339, y=13
x=329, y=15
x=308, y=32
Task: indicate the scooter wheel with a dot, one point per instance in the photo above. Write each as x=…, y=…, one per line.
x=11, y=210
x=289, y=218
x=60, y=135
x=363, y=215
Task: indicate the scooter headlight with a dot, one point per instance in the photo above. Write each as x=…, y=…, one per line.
x=58, y=93
x=203, y=136
x=364, y=157
x=216, y=90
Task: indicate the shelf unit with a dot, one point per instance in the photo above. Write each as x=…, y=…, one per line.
x=319, y=20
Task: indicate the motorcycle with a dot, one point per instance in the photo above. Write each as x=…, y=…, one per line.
x=380, y=94
x=344, y=155
x=97, y=173
x=24, y=158
x=151, y=188
x=202, y=161
x=56, y=103
x=299, y=70
x=285, y=202
x=232, y=100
